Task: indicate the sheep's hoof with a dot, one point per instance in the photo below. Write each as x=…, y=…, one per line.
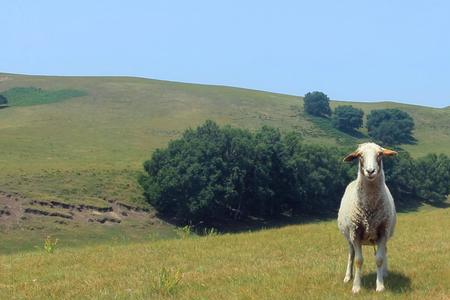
x=380, y=288
x=356, y=289
x=347, y=278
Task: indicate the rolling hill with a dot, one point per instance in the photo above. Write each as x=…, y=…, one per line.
x=72, y=147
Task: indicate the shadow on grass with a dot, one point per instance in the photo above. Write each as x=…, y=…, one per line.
x=442, y=204
x=354, y=133
x=395, y=282
x=228, y=225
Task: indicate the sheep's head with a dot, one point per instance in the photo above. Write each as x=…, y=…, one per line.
x=370, y=159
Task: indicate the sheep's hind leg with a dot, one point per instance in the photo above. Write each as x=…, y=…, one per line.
x=358, y=262
x=380, y=259
x=385, y=263
x=351, y=257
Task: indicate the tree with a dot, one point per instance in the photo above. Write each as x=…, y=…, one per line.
x=390, y=126
x=207, y=174
x=347, y=118
x=3, y=100
x=317, y=104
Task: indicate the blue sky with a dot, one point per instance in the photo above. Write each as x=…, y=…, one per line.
x=352, y=50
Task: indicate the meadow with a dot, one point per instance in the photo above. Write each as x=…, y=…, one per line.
x=294, y=262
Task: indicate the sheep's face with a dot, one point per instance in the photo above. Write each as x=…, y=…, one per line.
x=370, y=159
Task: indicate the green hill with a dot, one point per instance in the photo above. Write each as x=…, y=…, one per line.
x=116, y=122
x=81, y=141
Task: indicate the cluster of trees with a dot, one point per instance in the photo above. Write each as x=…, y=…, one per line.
x=3, y=100
x=213, y=173
x=218, y=173
x=424, y=179
x=387, y=126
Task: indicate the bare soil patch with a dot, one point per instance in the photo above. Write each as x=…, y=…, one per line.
x=15, y=208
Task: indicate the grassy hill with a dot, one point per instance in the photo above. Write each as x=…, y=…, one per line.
x=81, y=141
x=294, y=262
x=115, y=122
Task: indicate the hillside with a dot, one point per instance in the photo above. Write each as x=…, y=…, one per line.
x=81, y=141
x=294, y=262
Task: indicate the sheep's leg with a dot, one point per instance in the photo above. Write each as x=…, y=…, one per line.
x=351, y=257
x=385, y=263
x=380, y=259
x=358, y=262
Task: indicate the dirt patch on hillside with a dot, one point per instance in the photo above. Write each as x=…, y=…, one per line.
x=10, y=209
x=14, y=208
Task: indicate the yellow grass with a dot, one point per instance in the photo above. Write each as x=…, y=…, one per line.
x=294, y=262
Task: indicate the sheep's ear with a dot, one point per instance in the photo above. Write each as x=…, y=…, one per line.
x=387, y=152
x=352, y=156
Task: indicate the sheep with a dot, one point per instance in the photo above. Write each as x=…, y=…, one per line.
x=367, y=213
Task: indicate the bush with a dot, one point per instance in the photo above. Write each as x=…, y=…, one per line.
x=214, y=173
x=3, y=100
x=347, y=118
x=432, y=175
x=317, y=104
x=205, y=174
x=390, y=126
x=426, y=179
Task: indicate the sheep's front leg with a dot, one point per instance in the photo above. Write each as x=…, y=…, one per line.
x=358, y=262
x=380, y=259
x=351, y=257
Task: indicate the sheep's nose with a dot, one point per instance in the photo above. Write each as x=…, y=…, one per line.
x=370, y=171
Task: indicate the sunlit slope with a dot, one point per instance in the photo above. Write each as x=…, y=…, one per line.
x=121, y=120
x=294, y=262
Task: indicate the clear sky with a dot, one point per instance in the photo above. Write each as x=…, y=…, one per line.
x=356, y=50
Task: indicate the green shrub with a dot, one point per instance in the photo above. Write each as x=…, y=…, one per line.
x=3, y=100
x=317, y=104
x=432, y=174
x=347, y=118
x=390, y=126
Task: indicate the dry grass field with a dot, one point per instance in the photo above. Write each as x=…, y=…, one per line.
x=294, y=262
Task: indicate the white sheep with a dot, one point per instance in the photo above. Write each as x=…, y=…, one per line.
x=367, y=214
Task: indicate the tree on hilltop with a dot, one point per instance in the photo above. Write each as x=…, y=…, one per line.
x=317, y=104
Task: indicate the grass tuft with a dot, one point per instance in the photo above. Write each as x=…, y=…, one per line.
x=168, y=281
x=50, y=244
